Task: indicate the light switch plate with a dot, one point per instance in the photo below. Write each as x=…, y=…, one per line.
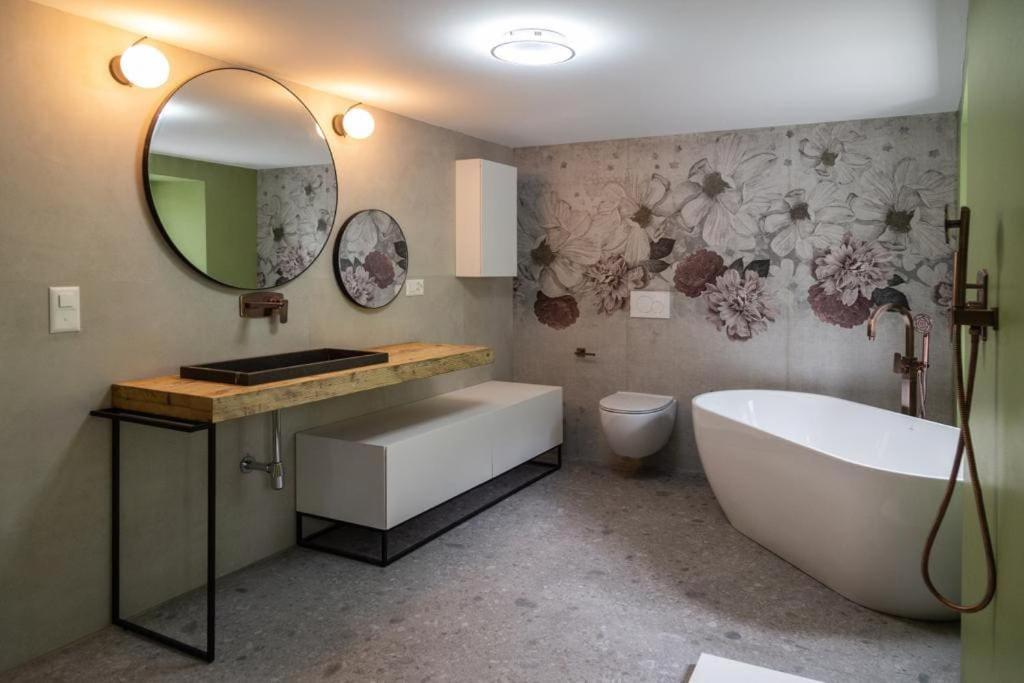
x=414, y=287
x=644, y=304
x=65, y=310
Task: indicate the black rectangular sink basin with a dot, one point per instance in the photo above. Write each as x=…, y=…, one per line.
x=263, y=369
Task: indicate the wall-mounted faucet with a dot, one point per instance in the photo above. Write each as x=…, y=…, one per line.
x=907, y=365
x=263, y=305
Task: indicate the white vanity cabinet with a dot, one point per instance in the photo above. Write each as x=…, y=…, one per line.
x=382, y=469
x=485, y=219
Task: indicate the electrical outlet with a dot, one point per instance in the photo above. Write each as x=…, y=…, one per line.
x=414, y=287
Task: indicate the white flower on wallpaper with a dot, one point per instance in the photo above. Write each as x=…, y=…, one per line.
x=720, y=188
x=829, y=152
x=806, y=222
x=556, y=244
x=829, y=224
x=634, y=212
x=293, y=220
x=905, y=209
x=791, y=280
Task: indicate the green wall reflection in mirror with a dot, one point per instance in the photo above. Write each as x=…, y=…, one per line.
x=240, y=179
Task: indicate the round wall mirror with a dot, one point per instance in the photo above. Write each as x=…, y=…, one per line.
x=240, y=179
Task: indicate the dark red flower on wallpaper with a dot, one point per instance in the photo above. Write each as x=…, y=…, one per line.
x=557, y=312
x=830, y=307
x=695, y=271
x=380, y=269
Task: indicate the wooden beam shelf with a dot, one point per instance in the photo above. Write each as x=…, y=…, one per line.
x=172, y=396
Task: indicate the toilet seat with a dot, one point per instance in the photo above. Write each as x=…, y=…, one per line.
x=632, y=403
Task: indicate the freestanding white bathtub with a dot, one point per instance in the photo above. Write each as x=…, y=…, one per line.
x=844, y=491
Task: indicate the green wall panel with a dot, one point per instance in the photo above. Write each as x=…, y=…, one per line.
x=992, y=185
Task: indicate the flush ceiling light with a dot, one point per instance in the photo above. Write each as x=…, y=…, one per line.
x=356, y=122
x=533, y=47
x=141, y=65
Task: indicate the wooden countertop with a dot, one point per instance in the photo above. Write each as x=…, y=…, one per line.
x=172, y=396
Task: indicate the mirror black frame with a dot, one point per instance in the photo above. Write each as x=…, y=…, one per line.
x=149, y=193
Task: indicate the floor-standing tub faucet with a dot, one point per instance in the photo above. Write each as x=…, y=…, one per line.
x=275, y=468
x=906, y=365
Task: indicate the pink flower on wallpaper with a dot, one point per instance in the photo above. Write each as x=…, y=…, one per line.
x=380, y=268
x=853, y=269
x=830, y=308
x=557, y=312
x=290, y=263
x=611, y=279
x=740, y=303
x=696, y=271
x=358, y=283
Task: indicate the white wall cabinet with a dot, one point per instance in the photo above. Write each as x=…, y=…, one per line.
x=382, y=469
x=485, y=219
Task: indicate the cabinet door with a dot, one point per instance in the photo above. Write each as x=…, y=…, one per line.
x=498, y=212
x=525, y=429
x=434, y=467
x=485, y=219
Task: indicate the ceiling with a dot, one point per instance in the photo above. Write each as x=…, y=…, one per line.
x=643, y=67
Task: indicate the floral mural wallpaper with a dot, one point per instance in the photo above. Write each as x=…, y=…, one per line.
x=759, y=234
x=371, y=258
x=294, y=219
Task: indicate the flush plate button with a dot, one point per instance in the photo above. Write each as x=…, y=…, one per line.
x=65, y=310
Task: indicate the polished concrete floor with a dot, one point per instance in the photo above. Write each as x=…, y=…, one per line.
x=588, y=575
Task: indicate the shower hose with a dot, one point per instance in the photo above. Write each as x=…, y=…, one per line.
x=964, y=444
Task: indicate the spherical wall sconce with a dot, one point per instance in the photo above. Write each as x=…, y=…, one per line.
x=140, y=65
x=356, y=122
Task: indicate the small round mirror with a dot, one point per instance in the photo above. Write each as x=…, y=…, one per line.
x=240, y=179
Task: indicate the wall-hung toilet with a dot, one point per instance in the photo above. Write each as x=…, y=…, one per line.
x=637, y=425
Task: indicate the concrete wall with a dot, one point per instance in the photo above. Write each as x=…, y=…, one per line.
x=744, y=230
x=74, y=213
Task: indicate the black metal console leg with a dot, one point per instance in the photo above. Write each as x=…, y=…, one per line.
x=116, y=417
x=211, y=538
x=115, y=504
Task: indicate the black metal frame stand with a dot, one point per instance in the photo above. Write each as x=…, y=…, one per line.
x=385, y=558
x=116, y=417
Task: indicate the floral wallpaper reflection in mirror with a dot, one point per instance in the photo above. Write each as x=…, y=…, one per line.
x=294, y=219
x=834, y=219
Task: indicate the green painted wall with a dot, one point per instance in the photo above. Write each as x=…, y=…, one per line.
x=230, y=215
x=992, y=185
x=181, y=203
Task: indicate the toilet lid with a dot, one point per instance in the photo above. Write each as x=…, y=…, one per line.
x=634, y=403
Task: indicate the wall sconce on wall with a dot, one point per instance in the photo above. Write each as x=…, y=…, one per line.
x=356, y=122
x=140, y=65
